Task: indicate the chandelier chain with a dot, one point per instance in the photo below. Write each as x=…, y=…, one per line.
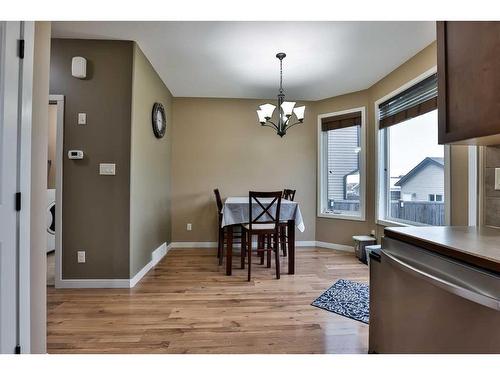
x=281, y=76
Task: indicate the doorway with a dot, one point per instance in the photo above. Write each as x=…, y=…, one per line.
x=54, y=189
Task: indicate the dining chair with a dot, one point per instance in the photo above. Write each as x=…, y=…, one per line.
x=221, y=238
x=288, y=194
x=264, y=221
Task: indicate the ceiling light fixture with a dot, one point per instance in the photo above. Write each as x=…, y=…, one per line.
x=286, y=109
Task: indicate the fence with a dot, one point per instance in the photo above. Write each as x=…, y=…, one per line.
x=431, y=213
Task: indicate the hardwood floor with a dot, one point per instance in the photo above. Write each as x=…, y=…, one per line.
x=187, y=304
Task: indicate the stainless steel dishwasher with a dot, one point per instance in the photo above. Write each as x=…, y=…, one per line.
x=421, y=302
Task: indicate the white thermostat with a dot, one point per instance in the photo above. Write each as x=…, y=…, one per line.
x=75, y=154
x=79, y=67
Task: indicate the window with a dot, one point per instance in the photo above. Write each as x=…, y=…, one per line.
x=411, y=170
x=435, y=197
x=341, y=164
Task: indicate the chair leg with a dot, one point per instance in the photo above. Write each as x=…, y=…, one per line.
x=249, y=252
x=277, y=255
x=268, y=252
x=218, y=243
x=221, y=245
x=243, y=248
x=283, y=240
x=261, y=246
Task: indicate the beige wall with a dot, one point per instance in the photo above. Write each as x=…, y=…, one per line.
x=218, y=143
x=95, y=208
x=337, y=230
x=341, y=231
x=150, y=221
x=38, y=233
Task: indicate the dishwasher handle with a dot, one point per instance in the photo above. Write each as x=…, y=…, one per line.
x=447, y=285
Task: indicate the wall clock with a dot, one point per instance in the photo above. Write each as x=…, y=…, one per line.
x=159, y=120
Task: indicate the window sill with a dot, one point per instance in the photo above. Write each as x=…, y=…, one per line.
x=342, y=217
x=390, y=223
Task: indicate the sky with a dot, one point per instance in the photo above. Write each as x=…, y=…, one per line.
x=413, y=140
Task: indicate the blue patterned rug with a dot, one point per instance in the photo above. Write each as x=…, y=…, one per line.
x=346, y=298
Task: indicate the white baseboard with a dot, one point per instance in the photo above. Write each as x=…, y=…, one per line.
x=193, y=245
x=93, y=283
x=156, y=256
x=160, y=252
x=326, y=245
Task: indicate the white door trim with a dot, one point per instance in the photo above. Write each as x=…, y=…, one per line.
x=59, y=101
x=28, y=34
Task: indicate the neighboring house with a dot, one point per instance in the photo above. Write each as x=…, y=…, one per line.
x=395, y=190
x=425, y=182
x=343, y=164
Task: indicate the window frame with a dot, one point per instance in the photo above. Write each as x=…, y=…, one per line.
x=321, y=165
x=382, y=179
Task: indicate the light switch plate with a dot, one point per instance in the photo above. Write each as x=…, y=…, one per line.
x=82, y=119
x=107, y=169
x=189, y=226
x=81, y=256
x=497, y=178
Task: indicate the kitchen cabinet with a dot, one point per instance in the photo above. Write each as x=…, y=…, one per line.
x=468, y=64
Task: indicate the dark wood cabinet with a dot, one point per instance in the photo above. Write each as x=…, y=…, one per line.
x=468, y=63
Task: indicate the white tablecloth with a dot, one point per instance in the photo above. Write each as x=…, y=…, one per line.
x=235, y=211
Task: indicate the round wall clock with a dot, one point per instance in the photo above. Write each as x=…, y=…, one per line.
x=159, y=120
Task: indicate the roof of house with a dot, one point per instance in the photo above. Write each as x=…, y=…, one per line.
x=424, y=163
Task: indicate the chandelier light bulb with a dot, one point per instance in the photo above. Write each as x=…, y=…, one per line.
x=299, y=112
x=288, y=108
x=267, y=110
x=262, y=118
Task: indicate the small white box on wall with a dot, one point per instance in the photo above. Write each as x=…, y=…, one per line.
x=79, y=67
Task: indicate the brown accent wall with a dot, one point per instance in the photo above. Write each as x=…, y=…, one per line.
x=218, y=143
x=150, y=221
x=95, y=208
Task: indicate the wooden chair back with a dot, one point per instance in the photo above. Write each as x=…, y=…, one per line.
x=219, y=204
x=289, y=194
x=266, y=214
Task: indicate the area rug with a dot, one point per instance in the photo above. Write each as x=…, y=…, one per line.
x=347, y=298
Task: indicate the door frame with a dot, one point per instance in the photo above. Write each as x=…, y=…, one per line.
x=22, y=67
x=26, y=86
x=58, y=100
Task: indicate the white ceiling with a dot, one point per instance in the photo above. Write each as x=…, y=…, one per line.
x=237, y=59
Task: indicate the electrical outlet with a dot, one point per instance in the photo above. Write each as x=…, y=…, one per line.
x=81, y=256
x=189, y=226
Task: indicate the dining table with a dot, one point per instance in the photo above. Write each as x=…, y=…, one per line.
x=235, y=211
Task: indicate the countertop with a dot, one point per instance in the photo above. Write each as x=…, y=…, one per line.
x=478, y=246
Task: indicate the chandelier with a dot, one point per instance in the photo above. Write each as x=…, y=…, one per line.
x=285, y=109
